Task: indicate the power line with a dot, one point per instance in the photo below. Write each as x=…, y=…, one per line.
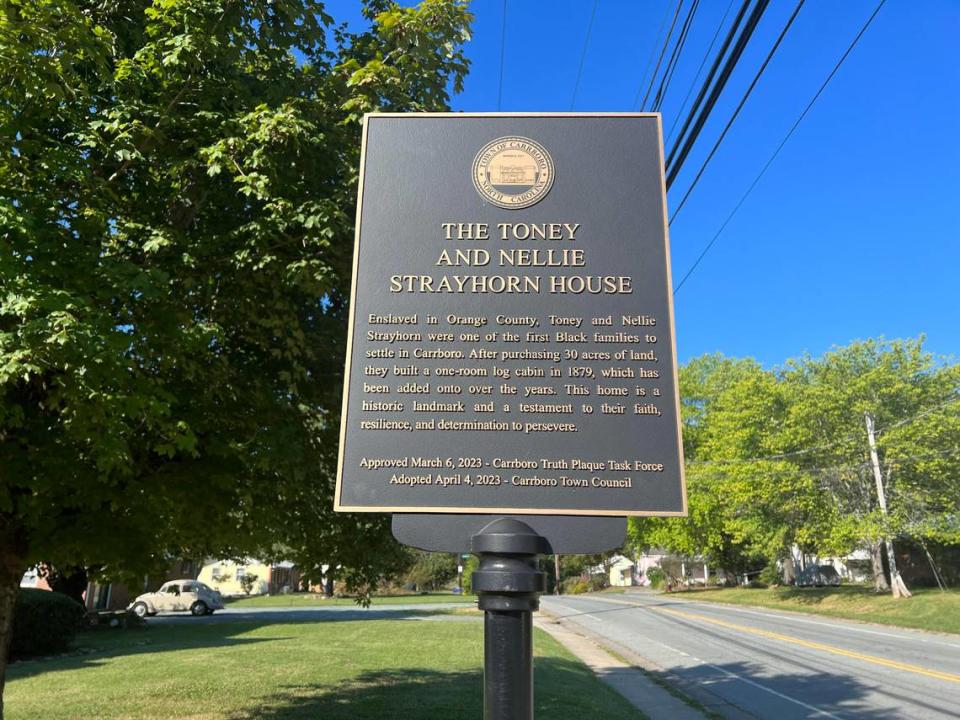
x=921, y=414
x=663, y=50
x=924, y=456
x=776, y=152
x=583, y=54
x=693, y=82
x=826, y=446
x=708, y=81
x=736, y=112
x=768, y=470
x=675, y=57
x=653, y=53
x=503, y=45
x=731, y=62
x=778, y=456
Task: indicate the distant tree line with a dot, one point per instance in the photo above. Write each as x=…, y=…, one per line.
x=779, y=458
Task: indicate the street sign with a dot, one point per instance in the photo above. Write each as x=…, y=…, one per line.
x=511, y=345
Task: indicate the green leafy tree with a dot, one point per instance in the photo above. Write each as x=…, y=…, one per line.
x=780, y=459
x=913, y=399
x=177, y=189
x=708, y=531
x=430, y=570
x=702, y=381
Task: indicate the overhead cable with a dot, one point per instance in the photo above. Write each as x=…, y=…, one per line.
x=949, y=401
x=731, y=62
x=776, y=152
x=503, y=44
x=656, y=70
x=674, y=57
x=736, y=112
x=653, y=54
x=583, y=54
x=693, y=82
x=708, y=80
x=825, y=446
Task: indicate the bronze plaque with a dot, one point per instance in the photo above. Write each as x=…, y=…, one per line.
x=511, y=340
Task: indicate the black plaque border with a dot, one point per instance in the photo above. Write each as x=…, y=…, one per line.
x=498, y=511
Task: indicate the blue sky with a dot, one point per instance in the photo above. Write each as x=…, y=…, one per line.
x=854, y=232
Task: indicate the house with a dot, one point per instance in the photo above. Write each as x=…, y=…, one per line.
x=623, y=571
x=117, y=596
x=103, y=595
x=250, y=577
x=689, y=571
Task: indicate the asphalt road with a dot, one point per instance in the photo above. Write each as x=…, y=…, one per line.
x=332, y=613
x=758, y=663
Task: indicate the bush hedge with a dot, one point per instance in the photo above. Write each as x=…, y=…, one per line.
x=657, y=577
x=770, y=575
x=44, y=623
x=468, y=567
x=575, y=586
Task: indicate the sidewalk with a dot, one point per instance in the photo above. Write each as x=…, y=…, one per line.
x=644, y=694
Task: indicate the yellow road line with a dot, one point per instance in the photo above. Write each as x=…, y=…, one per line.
x=906, y=667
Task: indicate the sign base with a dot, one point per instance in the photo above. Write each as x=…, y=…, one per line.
x=565, y=534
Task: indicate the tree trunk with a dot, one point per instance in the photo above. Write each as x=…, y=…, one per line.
x=12, y=569
x=880, y=583
x=789, y=569
x=898, y=586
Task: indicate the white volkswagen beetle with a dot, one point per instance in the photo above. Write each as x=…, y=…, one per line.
x=178, y=596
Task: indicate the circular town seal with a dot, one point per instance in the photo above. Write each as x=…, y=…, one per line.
x=513, y=172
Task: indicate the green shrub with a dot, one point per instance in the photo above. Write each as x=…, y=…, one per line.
x=468, y=567
x=770, y=575
x=431, y=570
x=598, y=583
x=575, y=586
x=44, y=623
x=656, y=576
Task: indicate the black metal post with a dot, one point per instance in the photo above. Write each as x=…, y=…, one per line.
x=508, y=585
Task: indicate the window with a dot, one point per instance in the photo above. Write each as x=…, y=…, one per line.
x=172, y=589
x=241, y=573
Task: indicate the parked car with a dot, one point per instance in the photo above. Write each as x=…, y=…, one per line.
x=818, y=576
x=178, y=596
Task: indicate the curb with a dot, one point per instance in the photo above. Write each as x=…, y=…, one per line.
x=639, y=690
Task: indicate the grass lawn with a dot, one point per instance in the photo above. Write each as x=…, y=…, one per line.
x=335, y=670
x=314, y=599
x=927, y=609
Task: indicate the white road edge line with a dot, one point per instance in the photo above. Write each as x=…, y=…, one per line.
x=814, y=708
x=755, y=684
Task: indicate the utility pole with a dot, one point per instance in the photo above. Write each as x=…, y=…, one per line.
x=897, y=585
x=556, y=568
